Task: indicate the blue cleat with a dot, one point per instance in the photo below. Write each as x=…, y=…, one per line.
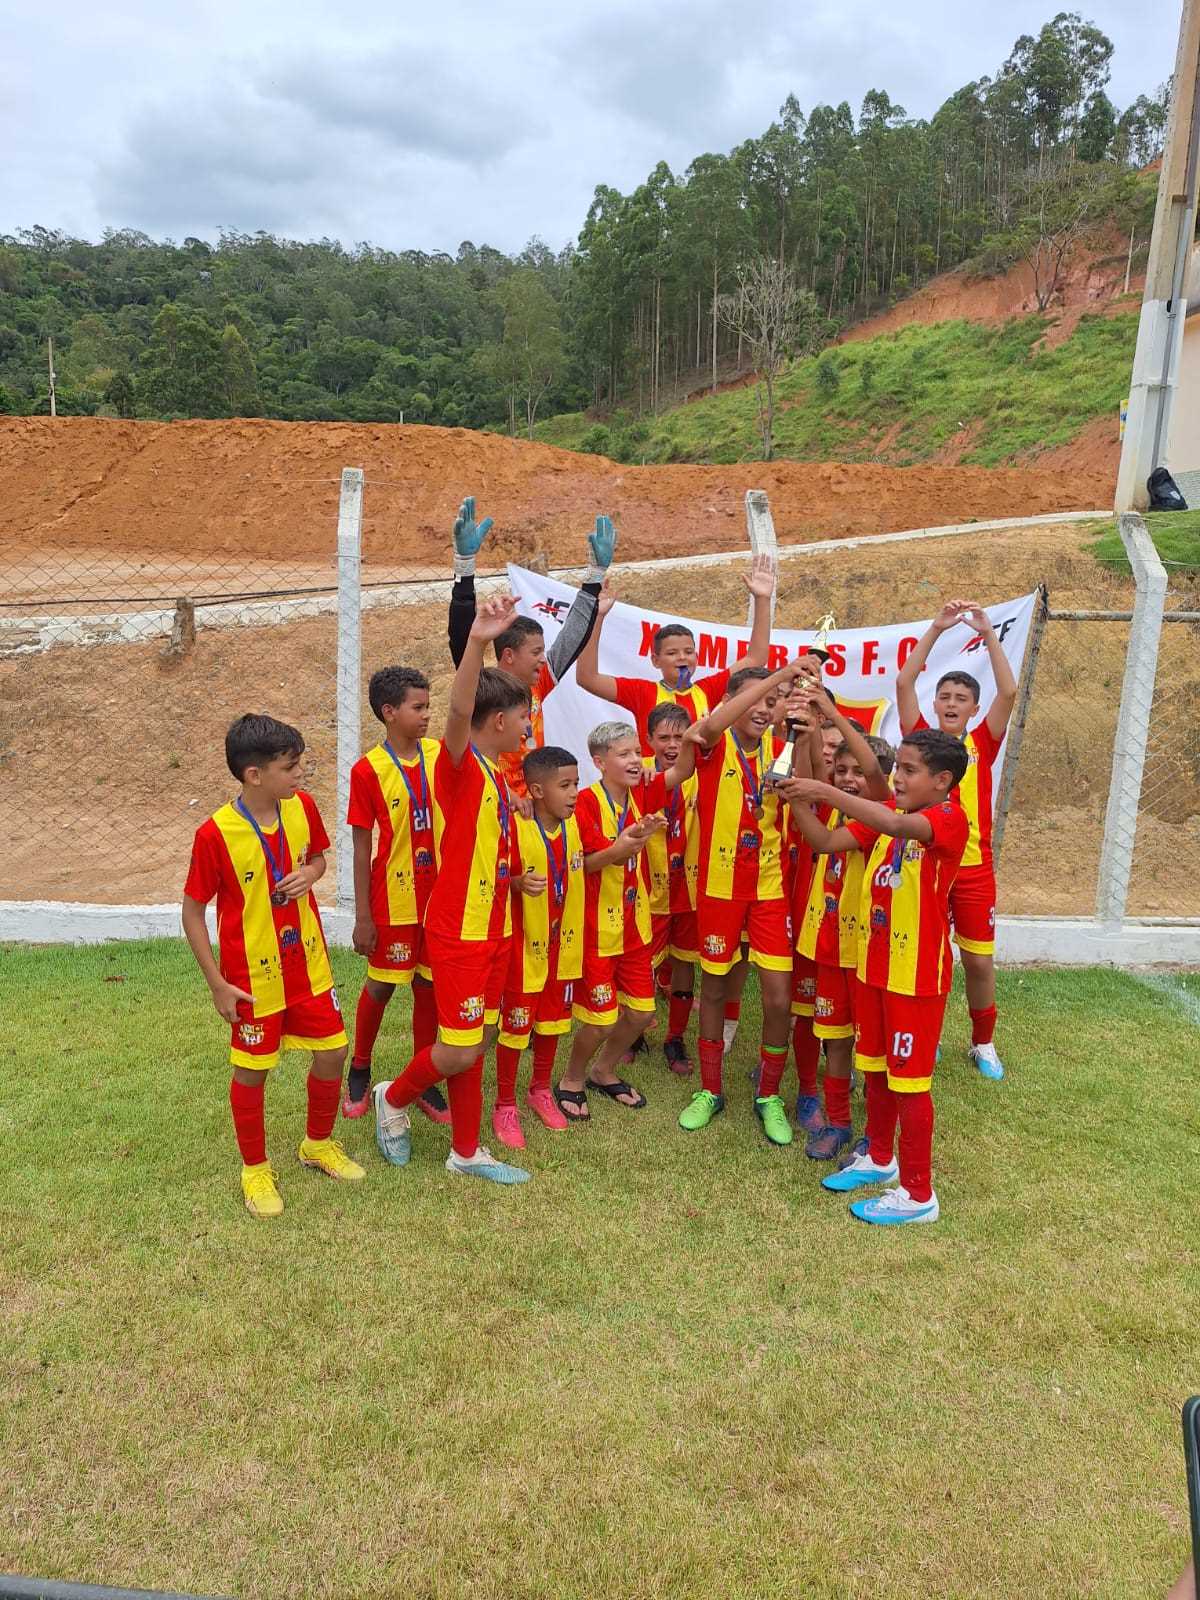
x=484, y=1165
x=828, y=1143
x=860, y=1172
x=393, y=1132
x=809, y=1116
x=989, y=1063
x=860, y=1147
x=895, y=1206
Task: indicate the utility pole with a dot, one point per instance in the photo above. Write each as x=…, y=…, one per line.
x=50, y=365
x=1164, y=306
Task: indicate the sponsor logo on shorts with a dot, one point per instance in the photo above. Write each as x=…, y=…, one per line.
x=824, y=1006
x=519, y=1018
x=399, y=952
x=471, y=1009
x=714, y=945
x=808, y=988
x=601, y=994
x=251, y=1034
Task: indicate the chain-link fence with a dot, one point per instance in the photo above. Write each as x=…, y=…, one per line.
x=119, y=674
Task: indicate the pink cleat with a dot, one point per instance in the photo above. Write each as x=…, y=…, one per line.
x=506, y=1125
x=356, y=1108
x=542, y=1103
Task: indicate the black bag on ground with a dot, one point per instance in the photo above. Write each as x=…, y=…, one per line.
x=1164, y=492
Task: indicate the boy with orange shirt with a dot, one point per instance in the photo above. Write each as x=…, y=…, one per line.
x=468, y=920
x=973, y=899
x=547, y=947
x=390, y=791
x=260, y=856
x=904, y=961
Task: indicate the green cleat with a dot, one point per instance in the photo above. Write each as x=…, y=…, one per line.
x=770, y=1111
x=700, y=1110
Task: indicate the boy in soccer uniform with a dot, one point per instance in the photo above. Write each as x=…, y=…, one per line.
x=673, y=655
x=521, y=648
x=740, y=890
x=547, y=946
x=828, y=928
x=468, y=922
x=260, y=856
x=617, y=815
x=973, y=898
x=904, y=961
x=390, y=789
x=673, y=859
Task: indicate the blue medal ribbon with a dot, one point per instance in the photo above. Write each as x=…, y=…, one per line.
x=501, y=795
x=557, y=878
x=275, y=865
x=897, y=863
x=620, y=822
x=752, y=787
x=422, y=814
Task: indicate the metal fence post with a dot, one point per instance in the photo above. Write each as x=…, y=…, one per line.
x=1133, y=720
x=760, y=529
x=1016, y=729
x=349, y=667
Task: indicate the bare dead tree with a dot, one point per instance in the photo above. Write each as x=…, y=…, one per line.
x=778, y=320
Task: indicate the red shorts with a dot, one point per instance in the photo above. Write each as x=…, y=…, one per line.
x=723, y=924
x=312, y=1024
x=834, y=1012
x=468, y=980
x=804, y=985
x=398, y=953
x=898, y=1034
x=674, y=935
x=973, y=909
x=609, y=981
x=548, y=1011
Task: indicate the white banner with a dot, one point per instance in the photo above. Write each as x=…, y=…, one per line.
x=861, y=676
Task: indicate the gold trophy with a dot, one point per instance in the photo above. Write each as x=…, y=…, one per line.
x=781, y=767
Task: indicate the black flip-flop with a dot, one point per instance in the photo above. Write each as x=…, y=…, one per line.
x=613, y=1090
x=572, y=1097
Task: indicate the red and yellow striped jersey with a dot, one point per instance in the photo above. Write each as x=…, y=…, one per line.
x=397, y=797
x=740, y=854
x=618, y=896
x=549, y=930
x=904, y=913
x=829, y=929
x=641, y=695
x=673, y=854
x=974, y=793
x=510, y=761
x=275, y=953
x=799, y=864
x=470, y=899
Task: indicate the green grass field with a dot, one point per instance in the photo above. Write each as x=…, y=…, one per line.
x=669, y=1366
x=911, y=391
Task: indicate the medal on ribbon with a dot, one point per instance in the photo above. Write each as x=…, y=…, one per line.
x=274, y=864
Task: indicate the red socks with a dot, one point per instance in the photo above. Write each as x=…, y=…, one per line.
x=323, y=1096
x=507, y=1062
x=679, y=1011
x=368, y=1016
x=772, y=1060
x=246, y=1103
x=545, y=1048
x=420, y=1074
x=464, y=1090
x=424, y=1016
x=712, y=1052
x=882, y=1115
x=733, y=1010
x=837, y=1100
x=916, y=1143
x=808, y=1053
x=662, y=975
x=983, y=1025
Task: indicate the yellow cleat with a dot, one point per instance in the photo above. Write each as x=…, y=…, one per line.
x=328, y=1157
x=261, y=1191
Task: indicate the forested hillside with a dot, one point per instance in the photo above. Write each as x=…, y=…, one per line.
x=837, y=213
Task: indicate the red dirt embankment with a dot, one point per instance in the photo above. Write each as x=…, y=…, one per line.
x=269, y=490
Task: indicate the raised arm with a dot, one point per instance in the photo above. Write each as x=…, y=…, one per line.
x=760, y=581
x=468, y=537
x=906, y=682
x=493, y=617
x=579, y=623
x=723, y=716
x=1001, y=708
x=587, y=673
x=877, y=784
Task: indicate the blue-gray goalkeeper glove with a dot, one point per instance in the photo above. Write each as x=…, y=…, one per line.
x=602, y=544
x=468, y=536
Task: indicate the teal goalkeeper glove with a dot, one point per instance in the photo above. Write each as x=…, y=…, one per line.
x=602, y=544
x=468, y=536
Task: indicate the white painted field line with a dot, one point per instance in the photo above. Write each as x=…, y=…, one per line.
x=1171, y=988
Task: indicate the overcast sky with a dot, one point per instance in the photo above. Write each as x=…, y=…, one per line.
x=423, y=125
